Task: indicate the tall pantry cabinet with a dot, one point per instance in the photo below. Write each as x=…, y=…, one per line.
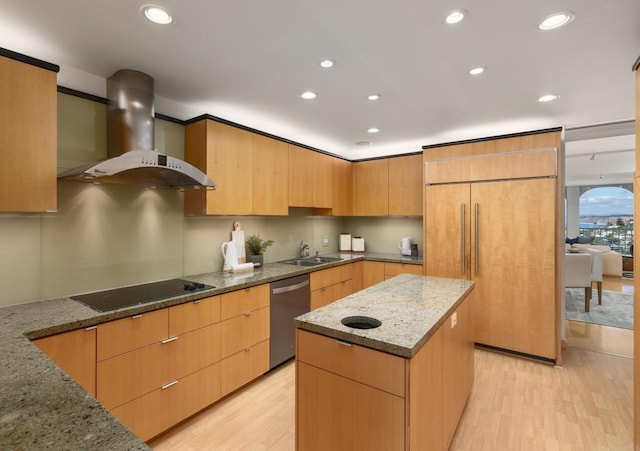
x=492, y=215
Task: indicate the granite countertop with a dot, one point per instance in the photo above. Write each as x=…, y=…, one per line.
x=410, y=308
x=43, y=408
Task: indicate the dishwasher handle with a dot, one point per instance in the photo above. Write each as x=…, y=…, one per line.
x=288, y=288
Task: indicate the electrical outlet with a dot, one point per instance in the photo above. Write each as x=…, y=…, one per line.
x=325, y=241
x=454, y=319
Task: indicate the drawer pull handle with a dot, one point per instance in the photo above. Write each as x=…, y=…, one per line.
x=344, y=343
x=247, y=313
x=247, y=349
x=197, y=301
x=169, y=340
x=137, y=316
x=170, y=384
x=91, y=328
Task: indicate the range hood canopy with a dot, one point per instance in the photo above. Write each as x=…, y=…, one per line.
x=132, y=159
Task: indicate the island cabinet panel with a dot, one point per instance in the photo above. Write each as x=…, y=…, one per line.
x=393, y=269
x=128, y=334
x=300, y=177
x=157, y=411
x=75, y=353
x=225, y=154
x=362, y=417
x=342, y=189
x=28, y=143
x=372, y=188
x=270, y=176
x=405, y=186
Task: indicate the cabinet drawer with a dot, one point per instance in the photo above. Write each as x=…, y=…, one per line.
x=377, y=369
x=244, y=330
x=330, y=276
x=155, y=412
x=393, y=269
x=241, y=301
x=127, y=334
x=127, y=376
x=193, y=315
x=327, y=295
x=244, y=366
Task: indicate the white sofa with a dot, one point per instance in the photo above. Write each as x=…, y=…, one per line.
x=611, y=260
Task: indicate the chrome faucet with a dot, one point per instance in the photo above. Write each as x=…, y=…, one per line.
x=304, y=249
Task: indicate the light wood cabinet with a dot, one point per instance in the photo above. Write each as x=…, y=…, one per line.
x=128, y=334
x=28, y=128
x=393, y=269
x=225, y=154
x=342, y=192
x=300, y=177
x=244, y=366
x=244, y=330
x=75, y=353
x=239, y=302
x=405, y=186
x=475, y=230
x=330, y=284
x=371, y=188
x=322, y=180
x=194, y=315
x=372, y=273
x=270, y=176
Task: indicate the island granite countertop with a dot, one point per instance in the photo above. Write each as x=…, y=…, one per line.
x=410, y=308
x=43, y=408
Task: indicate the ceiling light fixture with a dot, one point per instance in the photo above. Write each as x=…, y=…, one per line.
x=456, y=16
x=374, y=97
x=373, y=130
x=547, y=98
x=476, y=70
x=556, y=20
x=157, y=14
x=308, y=95
x=327, y=63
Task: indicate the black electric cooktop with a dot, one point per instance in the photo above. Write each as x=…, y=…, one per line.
x=105, y=301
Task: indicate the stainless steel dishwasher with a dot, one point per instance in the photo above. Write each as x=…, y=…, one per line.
x=289, y=298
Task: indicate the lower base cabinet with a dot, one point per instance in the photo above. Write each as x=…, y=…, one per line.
x=244, y=366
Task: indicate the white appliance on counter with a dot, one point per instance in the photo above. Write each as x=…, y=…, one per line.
x=345, y=242
x=357, y=244
x=405, y=245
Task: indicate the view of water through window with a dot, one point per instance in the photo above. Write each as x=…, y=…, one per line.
x=606, y=215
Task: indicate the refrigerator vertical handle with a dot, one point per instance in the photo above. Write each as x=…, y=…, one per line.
x=477, y=261
x=463, y=260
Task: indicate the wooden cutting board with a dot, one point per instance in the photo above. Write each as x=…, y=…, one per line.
x=238, y=237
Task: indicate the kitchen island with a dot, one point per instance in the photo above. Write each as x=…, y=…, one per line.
x=400, y=386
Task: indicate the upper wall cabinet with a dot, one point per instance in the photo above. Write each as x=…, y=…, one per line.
x=225, y=154
x=270, y=176
x=389, y=187
x=342, y=204
x=310, y=178
x=28, y=124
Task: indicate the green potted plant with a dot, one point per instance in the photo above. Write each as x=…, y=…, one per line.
x=257, y=246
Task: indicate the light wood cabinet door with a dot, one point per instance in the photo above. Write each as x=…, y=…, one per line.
x=244, y=366
x=342, y=203
x=357, y=280
x=372, y=273
x=155, y=412
x=193, y=315
x=372, y=188
x=270, y=176
x=128, y=334
x=326, y=295
x=300, y=176
x=405, y=186
x=457, y=366
x=515, y=281
x=75, y=353
x=393, y=269
x=241, y=301
x=28, y=142
x=330, y=276
x=447, y=242
x=225, y=154
x=339, y=413
x=244, y=331
x=322, y=180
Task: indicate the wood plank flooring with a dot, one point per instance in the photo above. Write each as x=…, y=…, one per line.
x=515, y=405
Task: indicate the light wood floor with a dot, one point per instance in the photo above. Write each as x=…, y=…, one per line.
x=515, y=405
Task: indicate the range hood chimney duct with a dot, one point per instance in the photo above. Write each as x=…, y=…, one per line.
x=131, y=158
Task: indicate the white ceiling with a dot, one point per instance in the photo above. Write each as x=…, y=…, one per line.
x=248, y=61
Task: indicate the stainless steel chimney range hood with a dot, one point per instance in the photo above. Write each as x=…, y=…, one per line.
x=132, y=159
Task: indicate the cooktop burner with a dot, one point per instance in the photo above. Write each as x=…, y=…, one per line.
x=105, y=301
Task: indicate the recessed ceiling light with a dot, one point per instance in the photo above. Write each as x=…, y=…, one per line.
x=327, y=63
x=374, y=97
x=373, y=130
x=157, y=14
x=308, y=95
x=455, y=16
x=556, y=20
x=476, y=71
x=547, y=98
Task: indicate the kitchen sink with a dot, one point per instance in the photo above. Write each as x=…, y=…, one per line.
x=311, y=261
